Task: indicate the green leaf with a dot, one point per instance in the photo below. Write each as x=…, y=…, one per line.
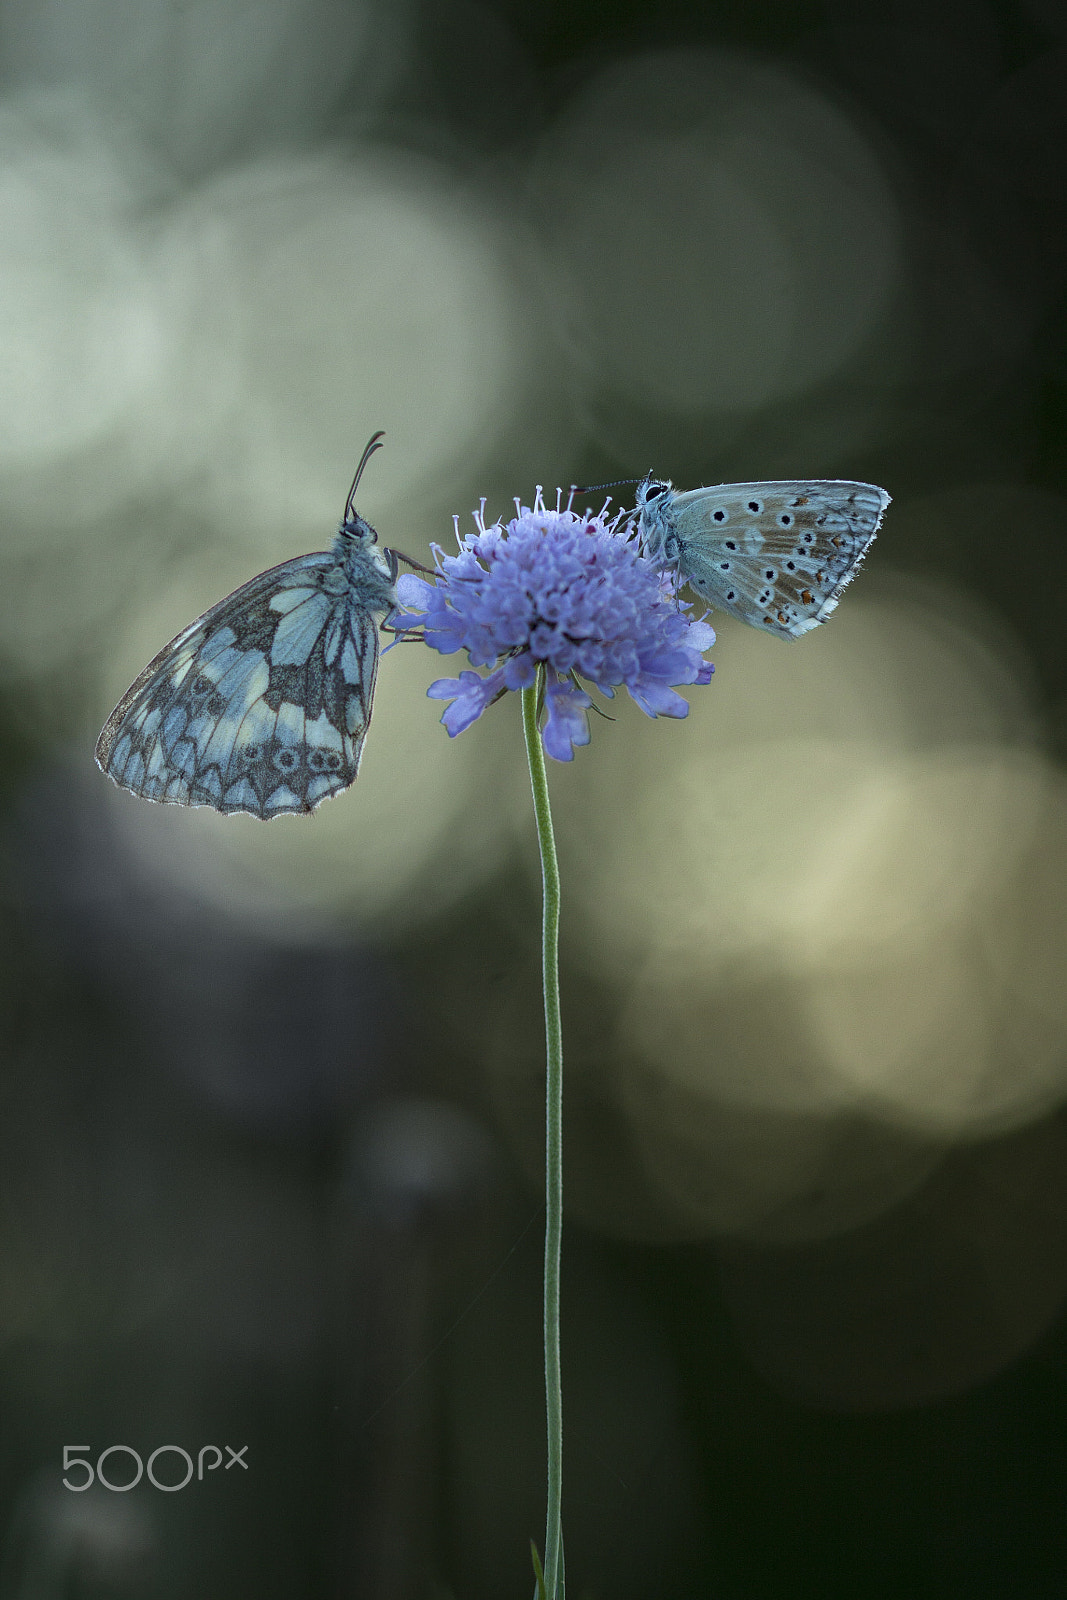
x=539, y=1592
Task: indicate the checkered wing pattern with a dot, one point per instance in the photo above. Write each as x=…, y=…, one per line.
x=261, y=705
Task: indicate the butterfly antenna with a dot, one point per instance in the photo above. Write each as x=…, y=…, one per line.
x=614, y=484
x=373, y=443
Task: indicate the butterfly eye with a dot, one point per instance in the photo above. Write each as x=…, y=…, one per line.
x=654, y=491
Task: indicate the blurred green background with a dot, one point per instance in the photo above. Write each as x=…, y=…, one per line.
x=270, y=1096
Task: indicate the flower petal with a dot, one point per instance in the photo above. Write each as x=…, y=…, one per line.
x=567, y=724
x=469, y=694
x=656, y=700
x=520, y=672
x=413, y=592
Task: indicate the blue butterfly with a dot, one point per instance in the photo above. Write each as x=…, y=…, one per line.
x=776, y=555
x=262, y=705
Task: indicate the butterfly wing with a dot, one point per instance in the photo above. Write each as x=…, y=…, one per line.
x=777, y=555
x=261, y=705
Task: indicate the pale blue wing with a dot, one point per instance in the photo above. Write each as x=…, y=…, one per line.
x=777, y=555
x=262, y=705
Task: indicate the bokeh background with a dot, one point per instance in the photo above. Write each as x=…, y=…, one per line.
x=271, y=1096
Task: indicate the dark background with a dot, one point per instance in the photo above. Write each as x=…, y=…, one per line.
x=270, y=1099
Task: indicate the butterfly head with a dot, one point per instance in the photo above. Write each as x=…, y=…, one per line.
x=356, y=532
x=365, y=565
x=653, y=503
x=651, y=489
x=370, y=568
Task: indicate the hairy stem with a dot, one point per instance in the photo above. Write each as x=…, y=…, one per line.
x=553, y=1566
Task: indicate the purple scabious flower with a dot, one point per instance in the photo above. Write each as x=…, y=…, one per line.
x=568, y=593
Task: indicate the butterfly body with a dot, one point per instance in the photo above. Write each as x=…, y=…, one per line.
x=776, y=555
x=262, y=705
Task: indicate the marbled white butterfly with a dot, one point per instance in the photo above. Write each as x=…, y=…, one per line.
x=262, y=705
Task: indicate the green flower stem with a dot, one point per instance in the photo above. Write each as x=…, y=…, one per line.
x=553, y=1567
